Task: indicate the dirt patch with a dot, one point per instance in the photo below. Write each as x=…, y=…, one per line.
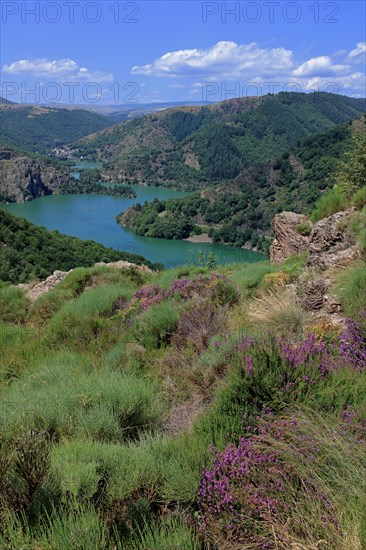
x=203, y=238
x=183, y=416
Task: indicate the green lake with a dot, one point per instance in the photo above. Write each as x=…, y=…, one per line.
x=93, y=217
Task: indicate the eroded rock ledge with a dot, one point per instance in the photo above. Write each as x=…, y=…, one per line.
x=23, y=178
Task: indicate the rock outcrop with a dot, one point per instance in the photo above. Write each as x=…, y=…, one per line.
x=288, y=236
x=23, y=178
x=35, y=291
x=331, y=243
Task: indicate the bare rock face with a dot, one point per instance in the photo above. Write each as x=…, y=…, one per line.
x=331, y=243
x=23, y=178
x=288, y=239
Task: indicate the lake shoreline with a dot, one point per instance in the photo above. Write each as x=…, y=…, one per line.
x=92, y=217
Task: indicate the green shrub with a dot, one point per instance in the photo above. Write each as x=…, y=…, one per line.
x=83, y=319
x=303, y=229
x=351, y=289
x=359, y=198
x=156, y=326
x=13, y=305
x=249, y=276
x=330, y=203
x=65, y=397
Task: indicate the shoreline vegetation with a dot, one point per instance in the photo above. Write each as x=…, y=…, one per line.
x=90, y=181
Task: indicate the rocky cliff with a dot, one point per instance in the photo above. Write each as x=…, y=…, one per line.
x=291, y=236
x=23, y=178
x=330, y=244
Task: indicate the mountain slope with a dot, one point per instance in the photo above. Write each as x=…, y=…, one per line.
x=194, y=147
x=36, y=128
x=240, y=211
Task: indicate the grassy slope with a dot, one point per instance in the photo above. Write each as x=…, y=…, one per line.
x=112, y=399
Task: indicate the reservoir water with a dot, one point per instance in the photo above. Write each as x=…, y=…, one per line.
x=92, y=217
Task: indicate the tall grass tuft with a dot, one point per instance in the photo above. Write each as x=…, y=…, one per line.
x=74, y=527
x=279, y=313
x=351, y=289
x=13, y=305
x=165, y=534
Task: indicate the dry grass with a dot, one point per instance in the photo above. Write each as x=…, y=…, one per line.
x=279, y=312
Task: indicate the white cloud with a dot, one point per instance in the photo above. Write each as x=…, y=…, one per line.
x=272, y=68
x=354, y=81
x=224, y=59
x=320, y=66
x=58, y=69
x=360, y=49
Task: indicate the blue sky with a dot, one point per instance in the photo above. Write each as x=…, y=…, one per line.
x=109, y=51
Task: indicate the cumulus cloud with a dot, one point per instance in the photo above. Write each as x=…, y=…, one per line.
x=224, y=59
x=58, y=69
x=276, y=67
x=320, y=66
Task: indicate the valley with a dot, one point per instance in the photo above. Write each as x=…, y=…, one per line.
x=162, y=393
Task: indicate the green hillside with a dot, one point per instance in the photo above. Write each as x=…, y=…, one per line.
x=35, y=128
x=197, y=408
x=29, y=251
x=194, y=147
x=240, y=212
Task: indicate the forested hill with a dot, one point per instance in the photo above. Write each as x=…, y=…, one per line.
x=27, y=250
x=195, y=147
x=40, y=129
x=240, y=211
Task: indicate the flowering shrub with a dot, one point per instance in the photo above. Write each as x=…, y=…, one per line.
x=148, y=296
x=259, y=492
x=216, y=287
x=352, y=349
x=290, y=364
x=310, y=353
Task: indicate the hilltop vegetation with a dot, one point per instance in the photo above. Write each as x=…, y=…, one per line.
x=194, y=147
x=29, y=251
x=40, y=129
x=89, y=182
